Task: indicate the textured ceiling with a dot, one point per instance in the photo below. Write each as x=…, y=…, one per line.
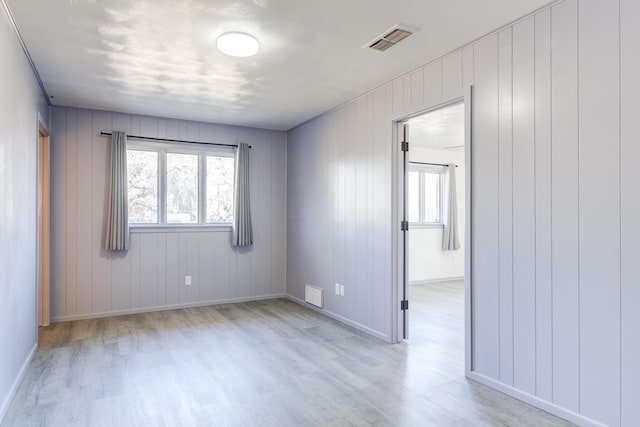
x=158, y=57
x=440, y=129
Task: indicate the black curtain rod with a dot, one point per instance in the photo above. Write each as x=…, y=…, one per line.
x=431, y=164
x=148, y=138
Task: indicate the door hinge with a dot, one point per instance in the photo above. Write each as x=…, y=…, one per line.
x=404, y=225
x=405, y=146
x=404, y=305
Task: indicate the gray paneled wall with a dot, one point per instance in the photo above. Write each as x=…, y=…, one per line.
x=339, y=195
x=556, y=240
x=20, y=103
x=89, y=281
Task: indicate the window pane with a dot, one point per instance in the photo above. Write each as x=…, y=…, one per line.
x=413, y=196
x=219, y=188
x=142, y=179
x=182, y=188
x=431, y=197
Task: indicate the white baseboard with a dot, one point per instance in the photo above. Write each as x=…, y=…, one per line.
x=4, y=408
x=162, y=308
x=535, y=401
x=430, y=281
x=341, y=319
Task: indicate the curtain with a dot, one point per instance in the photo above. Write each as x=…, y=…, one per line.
x=117, y=236
x=242, y=229
x=450, y=240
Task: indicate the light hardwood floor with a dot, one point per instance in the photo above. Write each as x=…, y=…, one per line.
x=261, y=363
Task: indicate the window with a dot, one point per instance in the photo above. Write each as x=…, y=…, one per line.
x=182, y=188
x=220, y=176
x=424, y=194
x=142, y=178
x=179, y=185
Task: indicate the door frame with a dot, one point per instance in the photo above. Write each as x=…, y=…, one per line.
x=399, y=264
x=43, y=223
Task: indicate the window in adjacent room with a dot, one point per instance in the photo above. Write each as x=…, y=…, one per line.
x=187, y=185
x=424, y=188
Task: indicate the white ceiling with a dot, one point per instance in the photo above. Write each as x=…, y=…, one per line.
x=442, y=129
x=158, y=57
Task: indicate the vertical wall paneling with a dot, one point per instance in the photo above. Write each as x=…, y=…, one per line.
x=543, y=207
x=467, y=66
x=71, y=210
x=398, y=97
x=379, y=242
x=352, y=155
x=368, y=209
x=505, y=208
x=417, y=88
x=58, y=211
x=407, y=95
x=84, y=215
x=484, y=246
x=524, y=291
x=193, y=268
x=88, y=280
x=433, y=83
x=278, y=233
x=630, y=211
x=360, y=198
x=564, y=200
x=172, y=263
x=599, y=157
x=452, y=86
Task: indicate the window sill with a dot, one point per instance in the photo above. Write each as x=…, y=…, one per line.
x=180, y=228
x=413, y=225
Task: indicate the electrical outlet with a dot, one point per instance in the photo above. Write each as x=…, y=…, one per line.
x=337, y=288
x=342, y=290
x=187, y=280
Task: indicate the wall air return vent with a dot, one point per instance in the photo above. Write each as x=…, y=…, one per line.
x=389, y=38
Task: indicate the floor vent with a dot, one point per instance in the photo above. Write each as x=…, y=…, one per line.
x=313, y=296
x=389, y=39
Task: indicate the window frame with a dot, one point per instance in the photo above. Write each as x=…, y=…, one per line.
x=422, y=171
x=202, y=151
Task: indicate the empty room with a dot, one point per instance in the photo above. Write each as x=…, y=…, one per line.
x=295, y=213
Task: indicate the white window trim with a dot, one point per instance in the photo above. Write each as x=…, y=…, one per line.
x=202, y=150
x=422, y=169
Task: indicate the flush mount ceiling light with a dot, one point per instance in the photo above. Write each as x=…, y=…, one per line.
x=238, y=44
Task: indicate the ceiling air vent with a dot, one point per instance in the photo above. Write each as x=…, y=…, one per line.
x=389, y=38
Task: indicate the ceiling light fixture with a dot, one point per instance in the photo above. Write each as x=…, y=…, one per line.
x=238, y=44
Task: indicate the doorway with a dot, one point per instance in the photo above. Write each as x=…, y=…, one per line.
x=44, y=216
x=433, y=194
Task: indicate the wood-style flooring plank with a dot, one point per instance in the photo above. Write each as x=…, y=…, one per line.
x=266, y=363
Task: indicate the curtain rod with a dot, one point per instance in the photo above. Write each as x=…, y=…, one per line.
x=148, y=138
x=431, y=164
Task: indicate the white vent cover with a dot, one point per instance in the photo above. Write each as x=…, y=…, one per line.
x=389, y=38
x=313, y=295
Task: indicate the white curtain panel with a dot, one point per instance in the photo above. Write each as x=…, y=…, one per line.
x=117, y=235
x=242, y=228
x=450, y=241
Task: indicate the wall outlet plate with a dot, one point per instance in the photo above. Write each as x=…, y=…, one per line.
x=187, y=280
x=337, y=288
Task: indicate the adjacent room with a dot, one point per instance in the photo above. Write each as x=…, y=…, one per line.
x=435, y=256
x=285, y=213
